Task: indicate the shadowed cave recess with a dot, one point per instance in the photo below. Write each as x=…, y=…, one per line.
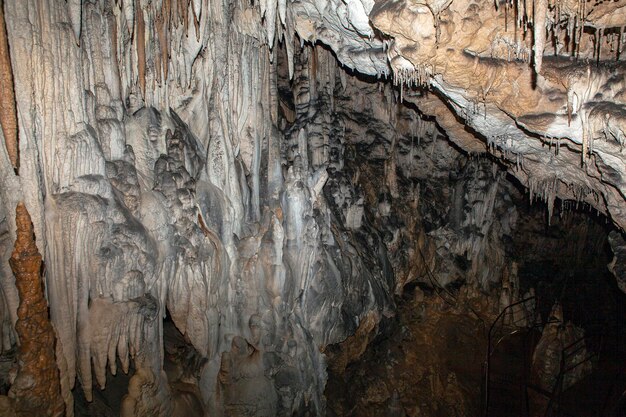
x=312, y=208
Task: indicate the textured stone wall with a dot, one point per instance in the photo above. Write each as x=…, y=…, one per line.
x=539, y=85
x=160, y=181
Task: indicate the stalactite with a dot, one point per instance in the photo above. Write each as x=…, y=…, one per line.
x=585, y=147
x=196, y=24
x=157, y=65
x=76, y=9
x=37, y=387
x=8, y=108
x=270, y=22
x=580, y=17
x=599, y=35
x=129, y=15
x=162, y=23
x=183, y=13
x=620, y=38
x=539, y=29
x=554, y=16
x=569, y=106
x=165, y=54
x=282, y=11
x=197, y=8
x=140, y=39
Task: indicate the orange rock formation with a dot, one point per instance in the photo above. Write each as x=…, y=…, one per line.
x=36, y=389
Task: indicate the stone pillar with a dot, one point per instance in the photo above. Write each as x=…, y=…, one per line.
x=36, y=389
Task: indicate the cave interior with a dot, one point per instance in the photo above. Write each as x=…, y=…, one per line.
x=312, y=208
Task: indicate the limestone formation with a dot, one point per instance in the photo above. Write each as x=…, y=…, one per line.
x=269, y=177
x=36, y=388
x=8, y=110
x=476, y=57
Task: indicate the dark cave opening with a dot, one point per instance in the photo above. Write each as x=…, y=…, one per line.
x=566, y=262
x=565, y=259
x=181, y=363
x=105, y=402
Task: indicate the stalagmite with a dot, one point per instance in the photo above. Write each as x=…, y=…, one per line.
x=8, y=110
x=37, y=388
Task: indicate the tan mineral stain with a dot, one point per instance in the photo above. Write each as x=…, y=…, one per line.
x=8, y=110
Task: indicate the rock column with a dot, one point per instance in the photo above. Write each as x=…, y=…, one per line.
x=36, y=389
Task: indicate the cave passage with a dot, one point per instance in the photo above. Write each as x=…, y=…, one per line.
x=430, y=360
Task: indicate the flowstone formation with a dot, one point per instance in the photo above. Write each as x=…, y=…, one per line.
x=269, y=175
x=37, y=387
x=165, y=186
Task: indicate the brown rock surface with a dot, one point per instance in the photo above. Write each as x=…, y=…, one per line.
x=354, y=346
x=430, y=367
x=8, y=111
x=36, y=389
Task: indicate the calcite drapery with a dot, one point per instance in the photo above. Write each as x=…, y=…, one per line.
x=37, y=388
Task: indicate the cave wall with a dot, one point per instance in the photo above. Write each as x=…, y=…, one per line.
x=158, y=180
x=539, y=85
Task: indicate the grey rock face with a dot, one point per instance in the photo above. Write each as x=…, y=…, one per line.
x=618, y=246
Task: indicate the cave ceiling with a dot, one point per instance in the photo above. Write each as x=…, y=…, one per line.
x=539, y=85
